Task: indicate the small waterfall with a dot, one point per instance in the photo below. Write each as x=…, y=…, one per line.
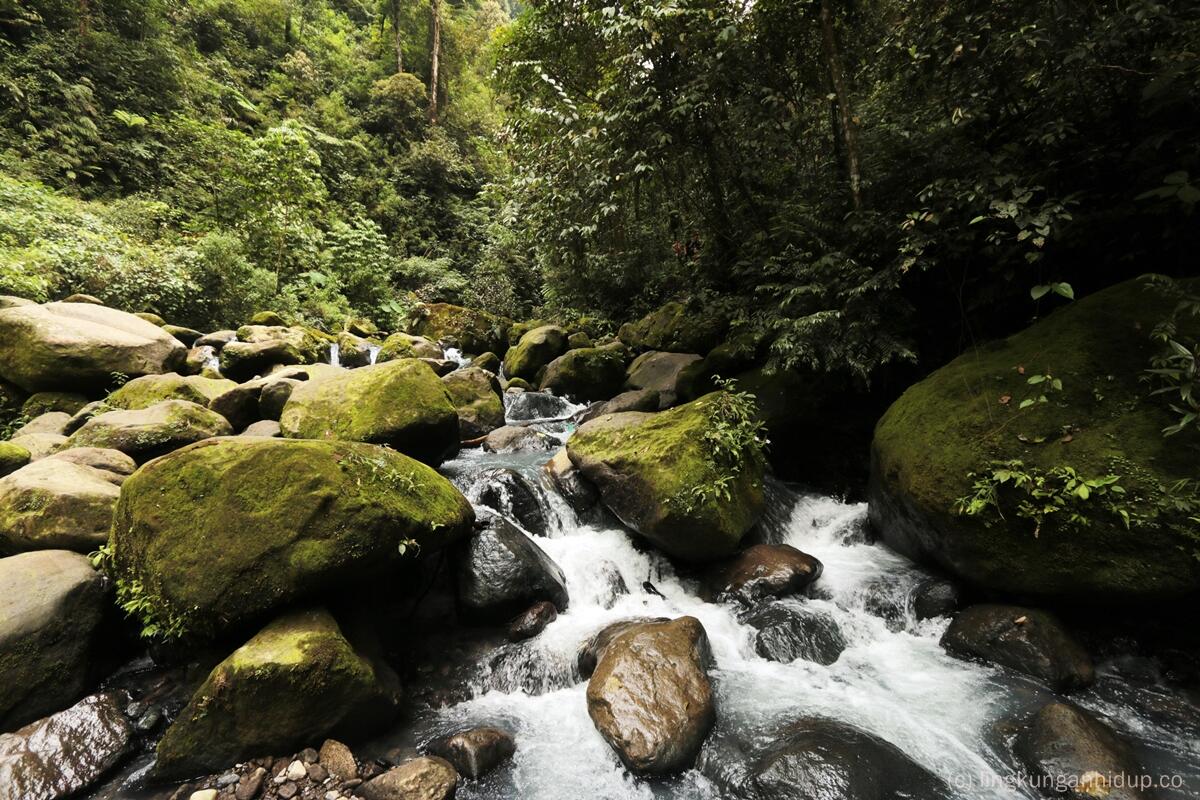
x=456, y=355
x=372, y=353
x=213, y=360
x=335, y=354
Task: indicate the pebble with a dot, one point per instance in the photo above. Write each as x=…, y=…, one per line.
x=228, y=779
x=337, y=759
x=288, y=790
x=204, y=794
x=296, y=771
x=148, y=721
x=308, y=755
x=135, y=709
x=250, y=785
x=317, y=773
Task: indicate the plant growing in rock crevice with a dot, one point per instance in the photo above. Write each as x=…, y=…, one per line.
x=734, y=437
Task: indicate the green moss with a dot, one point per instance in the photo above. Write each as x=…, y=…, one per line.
x=470, y=330
x=590, y=373
x=968, y=414
x=150, y=389
x=536, y=349
x=46, y=402
x=12, y=457
x=676, y=328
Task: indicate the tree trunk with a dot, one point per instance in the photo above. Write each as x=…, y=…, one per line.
x=845, y=116
x=397, y=39
x=434, y=52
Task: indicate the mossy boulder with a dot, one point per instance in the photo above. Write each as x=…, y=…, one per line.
x=150, y=432
x=78, y=347
x=47, y=402
x=519, y=329
x=312, y=344
x=488, y=361
x=676, y=328
x=468, y=329
x=406, y=345
x=147, y=390
x=151, y=317
x=402, y=404
x=536, y=349
x=967, y=418
x=56, y=503
x=271, y=318
x=475, y=394
x=243, y=361
x=657, y=473
x=12, y=457
x=587, y=373
x=296, y=681
x=230, y=529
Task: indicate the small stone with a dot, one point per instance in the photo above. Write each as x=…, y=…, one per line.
x=204, y=794
x=309, y=755
x=338, y=760
x=296, y=771
x=288, y=790
x=317, y=773
x=135, y=709
x=228, y=779
x=250, y=785
x=148, y=721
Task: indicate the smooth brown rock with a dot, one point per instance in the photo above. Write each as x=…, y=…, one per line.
x=532, y=621
x=337, y=758
x=425, y=778
x=763, y=570
x=1064, y=745
x=475, y=752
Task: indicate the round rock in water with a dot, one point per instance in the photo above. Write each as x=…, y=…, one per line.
x=935, y=597
x=510, y=493
x=763, y=570
x=475, y=752
x=788, y=631
x=501, y=572
x=532, y=622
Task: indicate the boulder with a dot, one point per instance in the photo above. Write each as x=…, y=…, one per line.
x=468, y=329
x=202, y=361
x=243, y=404
x=476, y=752
x=519, y=439
x=12, y=457
x=570, y=483
x=65, y=753
x=53, y=422
x=593, y=648
x=787, y=631
x=656, y=473
x=519, y=329
x=233, y=528
x=78, y=347
x=579, y=340
x=75, y=298
x=265, y=427
x=535, y=350
x=150, y=432
x=185, y=335
x=650, y=696
x=55, y=504
x=935, y=597
x=117, y=464
x=676, y=328
x=151, y=317
x=822, y=759
x=537, y=407
x=51, y=606
x=269, y=318
x=39, y=445
x=501, y=572
x=242, y=361
x=761, y=571
x=352, y=350
x=274, y=395
x=406, y=345
x=425, y=778
x=1099, y=348
x=531, y=621
x=216, y=340
x=488, y=361
x=294, y=682
x=1063, y=745
x=44, y=402
x=674, y=376
x=517, y=385
x=512, y=495
x=1023, y=639
x=401, y=404
x=632, y=400
x=589, y=373
x=151, y=389
x=475, y=394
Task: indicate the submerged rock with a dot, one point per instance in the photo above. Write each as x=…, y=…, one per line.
x=650, y=695
x=51, y=605
x=402, y=404
x=148, y=390
x=295, y=681
x=501, y=572
x=78, y=347
x=762, y=570
x=425, y=778
x=534, y=351
x=226, y=530
x=475, y=752
x=475, y=394
x=65, y=753
x=518, y=439
x=655, y=472
x=56, y=503
x=1029, y=641
x=787, y=631
x=586, y=373
x=150, y=432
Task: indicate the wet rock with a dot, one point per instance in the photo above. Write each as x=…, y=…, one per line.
x=51, y=606
x=633, y=400
x=593, y=648
x=63, y=753
x=1023, y=639
x=475, y=394
x=531, y=622
x=510, y=493
x=297, y=680
x=569, y=481
x=475, y=752
x=650, y=696
x=77, y=347
x=935, y=597
x=401, y=404
x=530, y=406
x=787, y=631
x=1065, y=746
x=207, y=529
x=338, y=760
x=56, y=504
x=148, y=390
x=501, y=572
x=589, y=373
x=614, y=584
x=425, y=778
x=518, y=439
x=672, y=375
x=153, y=431
x=643, y=464
x=353, y=351
x=763, y=570
x=823, y=759
x=535, y=350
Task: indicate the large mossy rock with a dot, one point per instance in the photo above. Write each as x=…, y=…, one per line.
x=586, y=373
x=229, y=529
x=468, y=329
x=475, y=394
x=966, y=418
x=79, y=347
x=676, y=377
x=147, y=433
x=51, y=606
x=55, y=504
x=150, y=389
x=536, y=349
x=402, y=404
x=675, y=328
x=406, y=345
x=298, y=680
x=657, y=474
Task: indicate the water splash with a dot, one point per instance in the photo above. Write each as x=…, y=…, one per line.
x=456, y=355
x=335, y=354
x=373, y=353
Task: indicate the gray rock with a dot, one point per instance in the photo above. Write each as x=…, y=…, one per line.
x=789, y=630
x=672, y=375
x=518, y=439
x=57, y=504
x=1029, y=641
x=475, y=752
x=425, y=778
x=501, y=572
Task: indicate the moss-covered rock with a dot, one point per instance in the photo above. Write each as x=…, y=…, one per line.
x=519, y=329
x=676, y=328
x=227, y=530
x=353, y=351
x=47, y=402
x=78, y=347
x=967, y=417
x=271, y=318
x=187, y=336
x=657, y=473
x=312, y=344
x=150, y=432
x=243, y=361
x=151, y=317
x=536, y=349
x=475, y=394
x=489, y=361
x=518, y=384
x=298, y=680
x=400, y=403
x=468, y=329
x=406, y=345
x=56, y=504
x=677, y=377
x=12, y=457
x=588, y=373
x=150, y=389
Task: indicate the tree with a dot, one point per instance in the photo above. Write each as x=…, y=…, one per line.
x=435, y=48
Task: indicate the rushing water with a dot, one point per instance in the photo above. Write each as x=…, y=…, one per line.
x=893, y=679
x=335, y=354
